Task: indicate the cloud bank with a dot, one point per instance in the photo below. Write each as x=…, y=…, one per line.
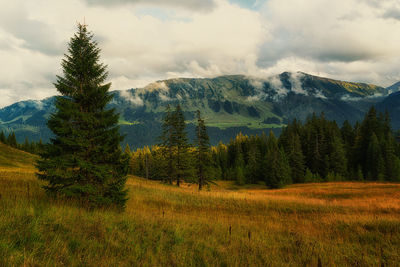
x=144, y=41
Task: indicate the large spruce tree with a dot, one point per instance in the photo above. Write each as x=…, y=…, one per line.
x=83, y=160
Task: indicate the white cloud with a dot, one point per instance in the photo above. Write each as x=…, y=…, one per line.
x=345, y=39
x=132, y=98
x=202, y=5
x=159, y=86
x=144, y=41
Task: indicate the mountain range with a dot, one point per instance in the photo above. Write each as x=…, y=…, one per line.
x=229, y=104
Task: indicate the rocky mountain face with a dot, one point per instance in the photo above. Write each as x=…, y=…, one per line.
x=230, y=104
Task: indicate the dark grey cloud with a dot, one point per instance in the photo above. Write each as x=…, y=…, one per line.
x=327, y=31
x=201, y=5
x=392, y=13
x=37, y=35
x=319, y=50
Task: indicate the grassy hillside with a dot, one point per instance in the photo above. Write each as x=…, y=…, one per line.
x=338, y=224
x=14, y=158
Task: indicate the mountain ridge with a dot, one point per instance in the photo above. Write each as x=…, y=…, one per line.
x=229, y=103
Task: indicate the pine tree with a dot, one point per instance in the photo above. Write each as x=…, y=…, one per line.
x=296, y=159
x=12, y=140
x=276, y=165
x=337, y=159
x=167, y=145
x=392, y=167
x=309, y=176
x=375, y=163
x=359, y=174
x=182, y=157
x=127, y=150
x=84, y=160
x=2, y=137
x=26, y=145
x=203, y=151
x=348, y=136
x=239, y=169
x=254, y=161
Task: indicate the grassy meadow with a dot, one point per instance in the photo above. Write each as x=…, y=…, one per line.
x=328, y=224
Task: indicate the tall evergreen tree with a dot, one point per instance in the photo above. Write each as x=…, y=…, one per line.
x=167, y=145
x=296, y=159
x=182, y=157
x=348, y=136
x=84, y=160
x=392, y=162
x=276, y=165
x=337, y=159
x=203, y=152
x=375, y=167
x=254, y=161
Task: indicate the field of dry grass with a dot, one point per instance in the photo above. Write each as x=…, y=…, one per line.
x=334, y=224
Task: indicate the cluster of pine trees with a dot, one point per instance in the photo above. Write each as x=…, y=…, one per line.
x=314, y=151
x=11, y=140
x=174, y=159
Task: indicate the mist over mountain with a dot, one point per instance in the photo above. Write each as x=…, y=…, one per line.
x=230, y=104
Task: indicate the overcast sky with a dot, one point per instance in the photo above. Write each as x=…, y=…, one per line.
x=147, y=40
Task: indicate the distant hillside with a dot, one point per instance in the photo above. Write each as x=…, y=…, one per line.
x=229, y=104
x=11, y=157
x=391, y=104
x=393, y=88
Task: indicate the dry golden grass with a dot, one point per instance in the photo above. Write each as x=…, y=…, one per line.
x=336, y=224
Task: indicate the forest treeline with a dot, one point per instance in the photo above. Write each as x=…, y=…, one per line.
x=27, y=146
x=314, y=151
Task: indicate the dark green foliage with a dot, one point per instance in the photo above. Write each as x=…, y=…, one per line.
x=203, y=161
x=12, y=140
x=374, y=160
x=315, y=151
x=31, y=147
x=175, y=147
x=276, y=166
x=337, y=158
x=290, y=141
x=84, y=160
x=254, y=160
x=183, y=157
x=127, y=150
x=2, y=137
x=167, y=172
x=392, y=162
x=375, y=148
x=238, y=170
